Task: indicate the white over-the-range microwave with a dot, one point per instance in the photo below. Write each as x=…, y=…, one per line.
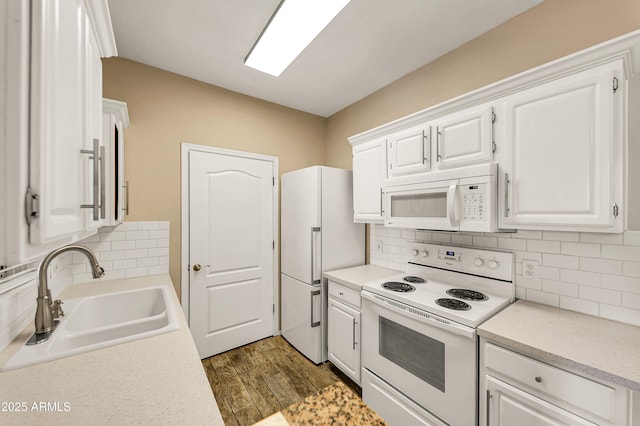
x=460, y=199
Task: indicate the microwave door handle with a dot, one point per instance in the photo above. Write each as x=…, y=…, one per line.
x=452, y=205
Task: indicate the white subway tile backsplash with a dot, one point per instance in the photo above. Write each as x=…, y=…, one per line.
x=592, y=273
x=616, y=313
x=560, y=236
x=626, y=252
x=137, y=253
x=580, y=277
x=137, y=235
x=579, y=305
x=601, y=295
x=543, y=246
x=543, y=297
x=603, y=266
x=148, y=226
x=631, y=269
x=154, y=235
x=632, y=238
x=124, y=245
x=580, y=249
x=560, y=261
x=626, y=284
x=560, y=287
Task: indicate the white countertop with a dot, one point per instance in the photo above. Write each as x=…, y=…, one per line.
x=157, y=380
x=595, y=346
x=357, y=276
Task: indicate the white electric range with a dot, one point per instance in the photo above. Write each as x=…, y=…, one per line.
x=419, y=342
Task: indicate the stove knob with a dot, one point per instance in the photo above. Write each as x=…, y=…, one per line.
x=414, y=252
x=478, y=262
x=492, y=264
x=424, y=253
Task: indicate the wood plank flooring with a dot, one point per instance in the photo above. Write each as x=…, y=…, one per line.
x=254, y=381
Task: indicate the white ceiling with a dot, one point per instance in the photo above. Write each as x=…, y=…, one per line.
x=370, y=44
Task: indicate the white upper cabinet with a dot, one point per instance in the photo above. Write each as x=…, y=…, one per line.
x=409, y=152
x=369, y=173
x=464, y=138
x=57, y=112
x=563, y=165
x=115, y=118
x=52, y=117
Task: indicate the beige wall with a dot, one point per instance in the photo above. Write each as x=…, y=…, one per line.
x=551, y=30
x=166, y=109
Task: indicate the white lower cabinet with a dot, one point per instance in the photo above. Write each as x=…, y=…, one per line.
x=343, y=333
x=518, y=390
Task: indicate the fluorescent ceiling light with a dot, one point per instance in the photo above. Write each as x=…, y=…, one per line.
x=293, y=26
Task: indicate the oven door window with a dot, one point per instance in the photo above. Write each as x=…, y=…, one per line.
x=418, y=354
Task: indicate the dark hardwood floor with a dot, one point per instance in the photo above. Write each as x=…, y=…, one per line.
x=254, y=381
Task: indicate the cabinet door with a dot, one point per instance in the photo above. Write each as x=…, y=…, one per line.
x=343, y=338
x=409, y=151
x=57, y=112
x=563, y=142
x=507, y=406
x=464, y=138
x=369, y=172
x=93, y=132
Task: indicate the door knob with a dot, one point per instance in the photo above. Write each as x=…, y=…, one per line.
x=197, y=267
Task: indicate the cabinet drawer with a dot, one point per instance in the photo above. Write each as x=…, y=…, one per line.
x=558, y=386
x=345, y=294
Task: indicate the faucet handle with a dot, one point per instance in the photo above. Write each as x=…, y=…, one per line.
x=56, y=309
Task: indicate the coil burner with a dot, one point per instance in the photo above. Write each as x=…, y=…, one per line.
x=455, y=304
x=414, y=280
x=466, y=294
x=398, y=286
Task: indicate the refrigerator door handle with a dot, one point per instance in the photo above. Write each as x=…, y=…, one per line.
x=314, y=293
x=314, y=232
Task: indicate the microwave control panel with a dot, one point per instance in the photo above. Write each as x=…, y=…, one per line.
x=474, y=201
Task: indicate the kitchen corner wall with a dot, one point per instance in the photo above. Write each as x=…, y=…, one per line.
x=591, y=273
x=131, y=249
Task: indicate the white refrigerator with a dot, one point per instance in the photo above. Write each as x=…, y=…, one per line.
x=318, y=234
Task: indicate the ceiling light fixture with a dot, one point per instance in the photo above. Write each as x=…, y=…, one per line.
x=292, y=27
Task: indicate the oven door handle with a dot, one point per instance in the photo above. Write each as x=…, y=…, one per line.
x=420, y=315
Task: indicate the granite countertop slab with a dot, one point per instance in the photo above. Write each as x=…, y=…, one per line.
x=597, y=347
x=356, y=276
x=335, y=405
x=157, y=380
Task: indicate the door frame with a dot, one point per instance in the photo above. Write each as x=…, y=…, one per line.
x=186, y=148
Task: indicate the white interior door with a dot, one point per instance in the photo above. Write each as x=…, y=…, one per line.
x=231, y=250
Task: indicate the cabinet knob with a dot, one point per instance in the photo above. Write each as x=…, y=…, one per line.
x=538, y=379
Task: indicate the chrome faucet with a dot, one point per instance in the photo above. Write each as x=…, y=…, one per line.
x=47, y=311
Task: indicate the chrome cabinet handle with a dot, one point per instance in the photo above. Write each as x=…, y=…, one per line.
x=314, y=293
x=198, y=267
x=126, y=198
x=95, y=153
x=354, y=334
x=103, y=192
x=507, y=182
x=314, y=232
x=488, y=408
x=438, y=156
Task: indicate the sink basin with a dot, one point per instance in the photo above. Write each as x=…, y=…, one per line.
x=97, y=322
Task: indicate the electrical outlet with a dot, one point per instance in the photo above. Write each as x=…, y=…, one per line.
x=530, y=269
x=379, y=246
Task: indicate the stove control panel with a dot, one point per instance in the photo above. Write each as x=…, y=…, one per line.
x=486, y=263
x=455, y=255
